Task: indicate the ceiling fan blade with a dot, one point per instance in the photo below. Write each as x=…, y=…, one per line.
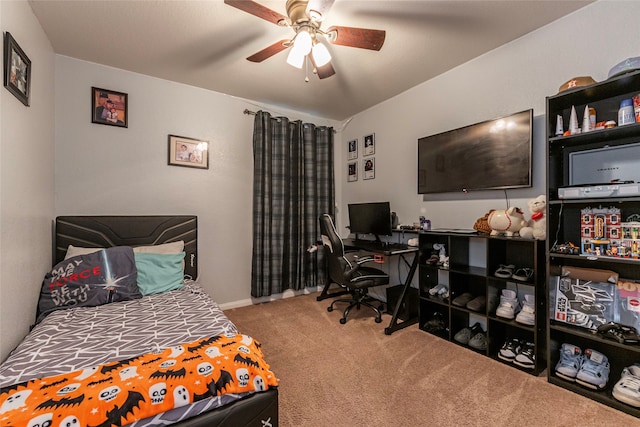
x=268, y=52
x=323, y=71
x=363, y=38
x=319, y=8
x=257, y=9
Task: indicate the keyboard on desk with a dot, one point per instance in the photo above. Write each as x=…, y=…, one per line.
x=374, y=246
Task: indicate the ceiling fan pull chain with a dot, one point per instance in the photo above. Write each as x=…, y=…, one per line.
x=306, y=69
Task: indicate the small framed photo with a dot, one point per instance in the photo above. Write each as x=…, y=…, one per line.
x=352, y=171
x=369, y=168
x=109, y=107
x=17, y=70
x=188, y=152
x=370, y=144
x=353, y=150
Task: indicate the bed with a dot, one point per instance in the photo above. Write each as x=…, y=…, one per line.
x=129, y=345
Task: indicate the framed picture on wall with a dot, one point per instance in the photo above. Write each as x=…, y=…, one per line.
x=352, y=148
x=369, y=168
x=188, y=152
x=352, y=171
x=17, y=70
x=109, y=107
x=369, y=144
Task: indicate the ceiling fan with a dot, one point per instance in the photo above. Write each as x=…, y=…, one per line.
x=305, y=18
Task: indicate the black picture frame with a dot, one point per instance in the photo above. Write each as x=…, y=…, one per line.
x=17, y=69
x=109, y=107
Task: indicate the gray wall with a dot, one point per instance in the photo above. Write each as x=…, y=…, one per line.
x=26, y=179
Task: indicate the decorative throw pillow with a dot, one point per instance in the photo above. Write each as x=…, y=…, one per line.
x=108, y=275
x=165, y=248
x=159, y=273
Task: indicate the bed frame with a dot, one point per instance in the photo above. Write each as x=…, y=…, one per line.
x=259, y=409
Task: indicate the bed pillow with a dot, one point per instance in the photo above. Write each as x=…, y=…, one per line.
x=159, y=273
x=108, y=275
x=165, y=248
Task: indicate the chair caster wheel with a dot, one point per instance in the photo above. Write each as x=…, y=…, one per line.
x=329, y=309
x=378, y=320
x=343, y=321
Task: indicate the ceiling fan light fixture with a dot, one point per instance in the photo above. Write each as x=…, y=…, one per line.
x=321, y=55
x=303, y=41
x=295, y=58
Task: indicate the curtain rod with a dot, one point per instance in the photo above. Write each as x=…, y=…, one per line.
x=253, y=113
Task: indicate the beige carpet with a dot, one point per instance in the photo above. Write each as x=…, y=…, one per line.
x=355, y=375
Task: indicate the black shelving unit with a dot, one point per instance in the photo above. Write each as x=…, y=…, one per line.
x=564, y=218
x=473, y=259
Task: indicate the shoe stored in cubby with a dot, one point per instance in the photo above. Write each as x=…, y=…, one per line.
x=474, y=291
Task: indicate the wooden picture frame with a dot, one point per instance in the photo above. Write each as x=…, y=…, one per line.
x=109, y=107
x=188, y=152
x=17, y=69
x=369, y=144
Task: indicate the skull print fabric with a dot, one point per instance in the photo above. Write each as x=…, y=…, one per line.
x=122, y=392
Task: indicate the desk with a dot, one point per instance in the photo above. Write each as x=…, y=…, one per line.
x=394, y=249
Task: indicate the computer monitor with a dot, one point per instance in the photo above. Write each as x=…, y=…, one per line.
x=370, y=218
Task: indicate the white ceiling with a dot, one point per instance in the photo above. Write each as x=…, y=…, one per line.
x=205, y=43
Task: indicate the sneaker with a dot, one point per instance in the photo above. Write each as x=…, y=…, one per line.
x=594, y=372
x=527, y=315
x=570, y=362
x=478, y=341
x=508, y=304
x=439, y=290
x=509, y=350
x=526, y=358
x=464, y=335
x=627, y=389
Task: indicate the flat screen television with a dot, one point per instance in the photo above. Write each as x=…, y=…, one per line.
x=370, y=218
x=490, y=155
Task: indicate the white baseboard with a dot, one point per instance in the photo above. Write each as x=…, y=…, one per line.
x=286, y=294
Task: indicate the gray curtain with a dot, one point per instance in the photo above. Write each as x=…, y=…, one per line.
x=293, y=183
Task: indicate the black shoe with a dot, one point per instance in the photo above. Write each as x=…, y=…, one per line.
x=621, y=333
x=510, y=350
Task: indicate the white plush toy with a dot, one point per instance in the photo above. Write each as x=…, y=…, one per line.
x=537, y=228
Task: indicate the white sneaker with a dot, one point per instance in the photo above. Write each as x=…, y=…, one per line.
x=438, y=289
x=627, y=389
x=527, y=315
x=508, y=304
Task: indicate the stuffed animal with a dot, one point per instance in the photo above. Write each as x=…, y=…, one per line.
x=537, y=226
x=507, y=222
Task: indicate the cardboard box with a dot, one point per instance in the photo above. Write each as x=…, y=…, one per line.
x=628, y=303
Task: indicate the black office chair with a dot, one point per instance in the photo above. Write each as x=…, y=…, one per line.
x=349, y=273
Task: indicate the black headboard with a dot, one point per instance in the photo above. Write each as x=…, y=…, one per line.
x=108, y=231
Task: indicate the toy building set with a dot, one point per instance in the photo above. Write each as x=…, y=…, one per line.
x=603, y=233
x=590, y=298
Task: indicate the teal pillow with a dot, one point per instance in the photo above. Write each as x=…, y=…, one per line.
x=159, y=273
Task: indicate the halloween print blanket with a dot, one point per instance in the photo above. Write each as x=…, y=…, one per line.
x=119, y=393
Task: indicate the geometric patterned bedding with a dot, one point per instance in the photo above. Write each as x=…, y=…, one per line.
x=83, y=337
